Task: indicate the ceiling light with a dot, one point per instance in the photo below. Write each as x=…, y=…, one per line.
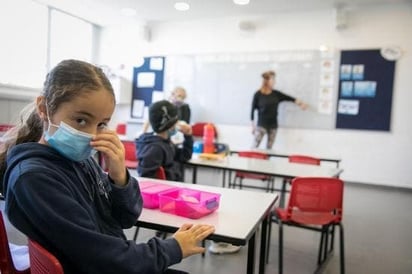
x=182, y=6
x=129, y=12
x=241, y=2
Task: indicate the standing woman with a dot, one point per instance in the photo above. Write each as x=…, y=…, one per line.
x=178, y=97
x=266, y=101
x=58, y=196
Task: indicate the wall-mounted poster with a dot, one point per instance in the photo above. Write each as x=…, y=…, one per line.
x=365, y=90
x=147, y=85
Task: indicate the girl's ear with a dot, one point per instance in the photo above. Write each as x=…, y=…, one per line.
x=41, y=107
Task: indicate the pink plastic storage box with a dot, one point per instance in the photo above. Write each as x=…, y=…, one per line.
x=188, y=203
x=150, y=194
x=146, y=183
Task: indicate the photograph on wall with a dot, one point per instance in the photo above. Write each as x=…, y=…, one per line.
x=365, y=89
x=346, y=72
x=346, y=89
x=357, y=72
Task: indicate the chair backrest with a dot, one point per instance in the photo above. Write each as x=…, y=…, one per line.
x=316, y=194
x=42, y=261
x=161, y=174
x=121, y=129
x=303, y=159
x=253, y=154
x=130, y=150
x=6, y=261
x=197, y=129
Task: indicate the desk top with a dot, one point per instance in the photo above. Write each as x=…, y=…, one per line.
x=283, y=154
x=237, y=218
x=273, y=167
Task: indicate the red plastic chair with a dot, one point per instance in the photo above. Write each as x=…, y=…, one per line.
x=298, y=159
x=197, y=129
x=239, y=176
x=121, y=129
x=303, y=159
x=6, y=261
x=130, y=154
x=161, y=174
x=42, y=261
x=315, y=204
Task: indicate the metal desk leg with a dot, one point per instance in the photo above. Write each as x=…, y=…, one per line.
x=194, y=175
x=263, y=240
x=283, y=193
x=224, y=178
x=251, y=255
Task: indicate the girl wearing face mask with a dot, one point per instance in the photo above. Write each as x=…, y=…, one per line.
x=155, y=149
x=57, y=194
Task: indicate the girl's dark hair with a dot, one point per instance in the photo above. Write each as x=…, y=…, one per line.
x=66, y=81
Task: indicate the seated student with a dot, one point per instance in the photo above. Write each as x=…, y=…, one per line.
x=57, y=195
x=155, y=149
x=177, y=97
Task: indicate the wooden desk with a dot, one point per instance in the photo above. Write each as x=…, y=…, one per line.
x=273, y=153
x=236, y=221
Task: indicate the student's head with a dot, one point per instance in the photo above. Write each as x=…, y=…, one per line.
x=268, y=78
x=162, y=116
x=178, y=95
x=76, y=93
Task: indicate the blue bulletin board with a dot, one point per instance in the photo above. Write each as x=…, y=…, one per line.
x=147, y=85
x=365, y=90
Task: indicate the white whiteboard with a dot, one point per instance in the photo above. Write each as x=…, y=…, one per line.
x=220, y=87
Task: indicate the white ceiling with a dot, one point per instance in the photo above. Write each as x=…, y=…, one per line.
x=108, y=12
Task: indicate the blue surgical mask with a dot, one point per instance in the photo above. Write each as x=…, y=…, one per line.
x=70, y=142
x=171, y=132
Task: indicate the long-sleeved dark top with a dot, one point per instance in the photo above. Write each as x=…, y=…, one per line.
x=183, y=112
x=154, y=151
x=75, y=211
x=267, y=107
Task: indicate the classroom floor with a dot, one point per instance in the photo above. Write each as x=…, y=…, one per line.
x=378, y=237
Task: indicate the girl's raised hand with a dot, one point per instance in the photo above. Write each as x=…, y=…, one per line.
x=109, y=144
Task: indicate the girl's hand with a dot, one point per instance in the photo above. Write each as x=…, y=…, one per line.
x=189, y=236
x=109, y=144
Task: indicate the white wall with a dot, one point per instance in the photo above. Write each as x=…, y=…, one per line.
x=367, y=156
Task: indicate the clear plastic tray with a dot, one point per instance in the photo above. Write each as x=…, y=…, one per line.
x=189, y=203
x=150, y=194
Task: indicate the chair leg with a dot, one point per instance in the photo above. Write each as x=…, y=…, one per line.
x=332, y=234
x=135, y=233
x=325, y=247
x=342, y=249
x=325, y=243
x=280, y=247
x=240, y=182
x=321, y=245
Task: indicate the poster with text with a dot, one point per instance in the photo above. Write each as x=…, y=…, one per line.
x=365, y=90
